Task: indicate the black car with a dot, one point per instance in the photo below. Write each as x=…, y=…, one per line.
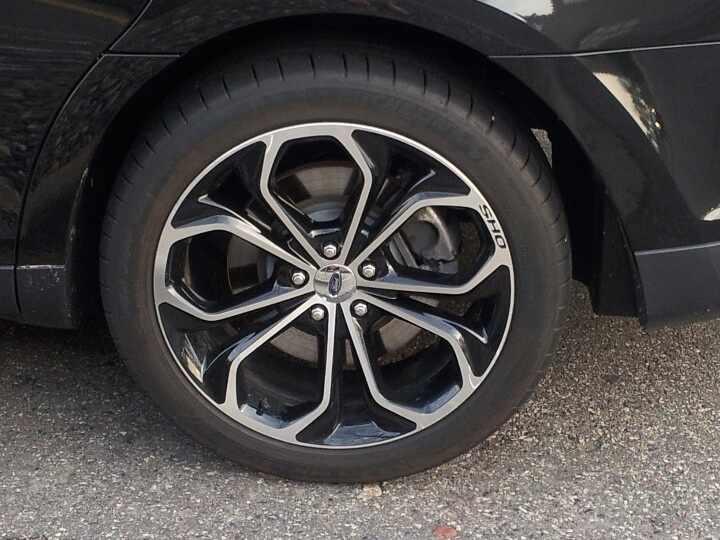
x=323, y=233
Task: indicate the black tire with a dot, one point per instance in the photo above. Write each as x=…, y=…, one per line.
x=242, y=98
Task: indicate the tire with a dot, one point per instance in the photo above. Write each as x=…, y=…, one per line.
x=424, y=119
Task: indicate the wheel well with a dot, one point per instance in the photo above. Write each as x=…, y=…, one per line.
x=601, y=258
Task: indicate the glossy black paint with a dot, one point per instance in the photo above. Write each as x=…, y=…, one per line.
x=68, y=149
x=489, y=26
x=644, y=113
x=45, y=47
x=662, y=180
x=671, y=94
x=65, y=203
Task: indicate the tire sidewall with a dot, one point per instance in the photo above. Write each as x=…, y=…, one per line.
x=223, y=124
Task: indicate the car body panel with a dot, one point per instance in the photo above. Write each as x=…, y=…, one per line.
x=8, y=300
x=45, y=48
x=488, y=26
x=643, y=133
x=681, y=285
x=600, y=66
x=54, y=245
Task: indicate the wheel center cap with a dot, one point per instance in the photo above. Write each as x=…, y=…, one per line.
x=335, y=283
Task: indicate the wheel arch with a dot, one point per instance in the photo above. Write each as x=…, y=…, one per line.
x=602, y=258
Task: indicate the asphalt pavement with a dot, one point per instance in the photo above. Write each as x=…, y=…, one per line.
x=620, y=441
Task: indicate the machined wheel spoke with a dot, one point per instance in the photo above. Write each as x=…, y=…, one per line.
x=285, y=211
x=246, y=344
x=330, y=380
x=357, y=337
x=395, y=219
x=235, y=225
x=397, y=282
x=344, y=135
x=363, y=200
x=347, y=244
x=465, y=341
x=257, y=297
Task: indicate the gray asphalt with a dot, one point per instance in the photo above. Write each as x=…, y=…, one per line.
x=620, y=441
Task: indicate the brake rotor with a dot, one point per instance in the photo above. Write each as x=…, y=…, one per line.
x=425, y=242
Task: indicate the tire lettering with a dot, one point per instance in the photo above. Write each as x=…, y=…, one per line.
x=493, y=226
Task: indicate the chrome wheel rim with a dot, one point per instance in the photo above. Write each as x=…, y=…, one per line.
x=334, y=285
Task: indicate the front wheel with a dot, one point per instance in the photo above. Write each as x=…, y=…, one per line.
x=332, y=266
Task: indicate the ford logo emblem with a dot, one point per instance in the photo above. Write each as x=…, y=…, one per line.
x=335, y=283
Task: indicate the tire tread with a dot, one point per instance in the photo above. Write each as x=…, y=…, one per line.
x=406, y=78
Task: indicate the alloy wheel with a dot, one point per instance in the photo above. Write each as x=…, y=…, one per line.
x=334, y=285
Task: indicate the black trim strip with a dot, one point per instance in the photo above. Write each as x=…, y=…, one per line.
x=680, y=285
x=8, y=299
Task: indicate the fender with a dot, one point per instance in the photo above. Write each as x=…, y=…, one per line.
x=604, y=58
x=558, y=53
x=45, y=48
x=488, y=26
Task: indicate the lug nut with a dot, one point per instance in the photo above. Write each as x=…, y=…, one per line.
x=368, y=270
x=299, y=278
x=330, y=250
x=360, y=309
x=317, y=313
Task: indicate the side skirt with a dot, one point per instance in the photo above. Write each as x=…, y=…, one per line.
x=8, y=300
x=680, y=285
